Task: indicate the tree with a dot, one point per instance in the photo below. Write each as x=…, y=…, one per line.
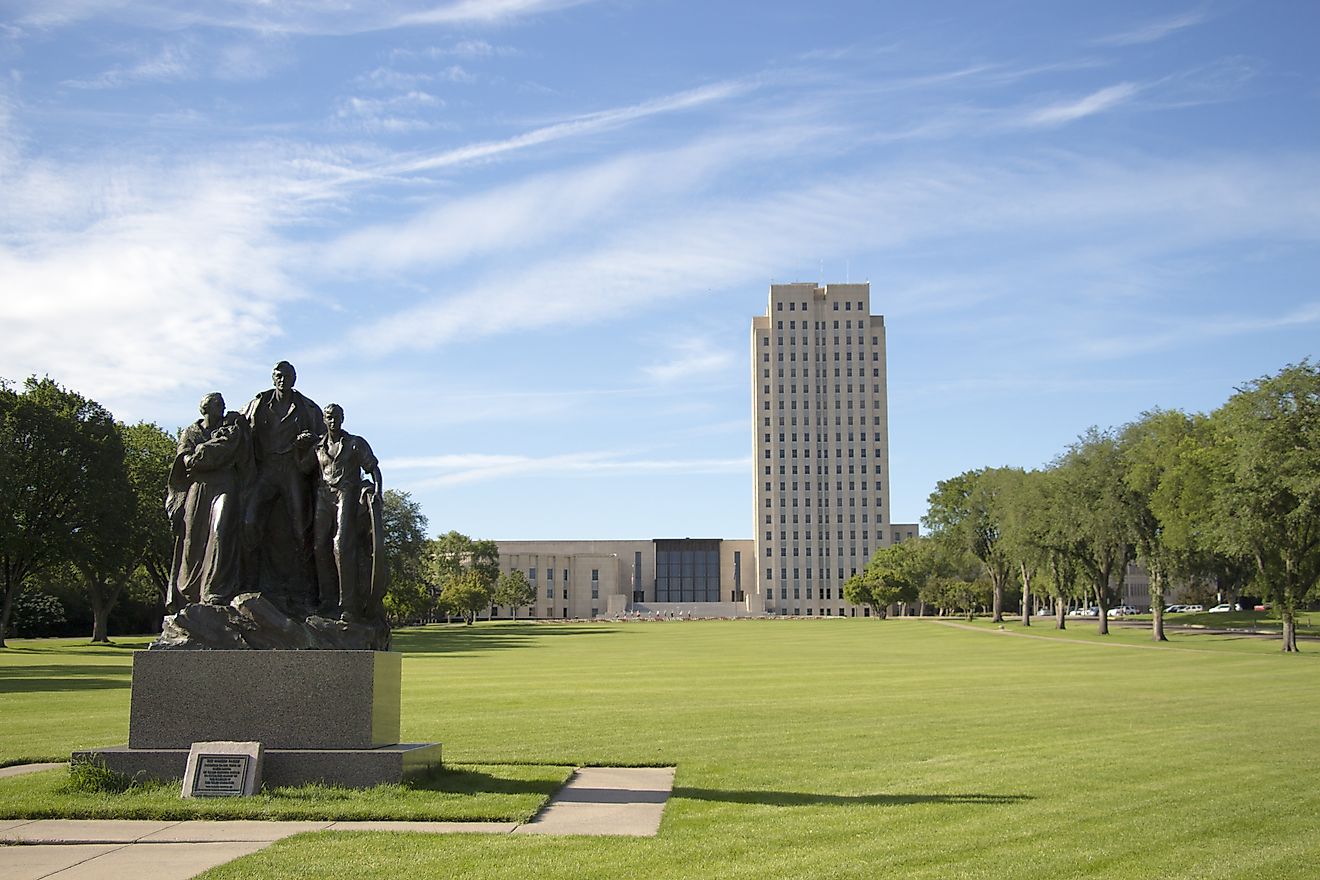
x=1264, y=455
x=514, y=590
x=36, y=614
x=1159, y=455
x=466, y=594
x=1092, y=488
x=454, y=556
x=968, y=508
x=408, y=601
x=1024, y=524
x=950, y=577
x=410, y=593
x=148, y=455
x=64, y=493
x=892, y=575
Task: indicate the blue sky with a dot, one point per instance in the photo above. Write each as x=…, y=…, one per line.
x=522, y=241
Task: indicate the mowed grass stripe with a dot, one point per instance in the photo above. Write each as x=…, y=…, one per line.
x=862, y=748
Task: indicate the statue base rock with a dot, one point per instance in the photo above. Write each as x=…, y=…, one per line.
x=252, y=622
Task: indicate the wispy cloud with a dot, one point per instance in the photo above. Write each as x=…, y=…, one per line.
x=1185, y=332
x=691, y=357
x=1152, y=31
x=1069, y=111
x=170, y=63
x=585, y=124
x=409, y=111
x=1128, y=213
x=452, y=470
x=296, y=18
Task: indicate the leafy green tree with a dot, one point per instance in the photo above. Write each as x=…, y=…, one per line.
x=892, y=576
x=951, y=577
x=410, y=596
x=408, y=601
x=969, y=510
x=454, y=556
x=148, y=454
x=64, y=492
x=1091, y=488
x=1265, y=458
x=36, y=614
x=1160, y=453
x=1024, y=524
x=512, y=589
x=466, y=594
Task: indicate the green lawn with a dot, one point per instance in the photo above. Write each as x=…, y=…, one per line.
x=821, y=748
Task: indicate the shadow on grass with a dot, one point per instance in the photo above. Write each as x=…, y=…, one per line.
x=457, y=638
x=462, y=781
x=86, y=649
x=58, y=678
x=808, y=799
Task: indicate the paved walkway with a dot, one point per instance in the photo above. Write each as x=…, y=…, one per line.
x=595, y=801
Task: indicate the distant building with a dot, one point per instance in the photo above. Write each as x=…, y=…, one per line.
x=820, y=427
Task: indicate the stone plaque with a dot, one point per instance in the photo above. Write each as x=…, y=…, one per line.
x=223, y=769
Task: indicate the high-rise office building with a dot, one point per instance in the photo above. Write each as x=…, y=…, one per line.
x=820, y=417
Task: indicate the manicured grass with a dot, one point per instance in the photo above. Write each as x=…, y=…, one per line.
x=463, y=793
x=836, y=748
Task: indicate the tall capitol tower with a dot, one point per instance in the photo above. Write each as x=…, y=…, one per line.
x=822, y=444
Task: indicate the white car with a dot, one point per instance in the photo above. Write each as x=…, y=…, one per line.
x=1221, y=608
x=1123, y=611
x=1084, y=612
x=1175, y=609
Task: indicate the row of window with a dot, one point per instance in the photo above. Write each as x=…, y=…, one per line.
x=820, y=487
x=825, y=518
x=818, y=389
x=824, y=612
x=550, y=574
x=820, y=325
x=847, y=306
x=825, y=469
x=824, y=574
x=852, y=551
x=823, y=535
x=822, y=453
x=821, y=374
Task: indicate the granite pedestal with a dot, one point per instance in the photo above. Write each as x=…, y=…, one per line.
x=321, y=716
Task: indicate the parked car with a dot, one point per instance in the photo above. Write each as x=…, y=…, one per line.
x=1221, y=608
x=1084, y=612
x=1175, y=609
x=1191, y=609
x=1123, y=611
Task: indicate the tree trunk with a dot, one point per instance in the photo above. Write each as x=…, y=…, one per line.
x=1157, y=607
x=102, y=596
x=1289, y=631
x=1060, y=613
x=1102, y=602
x=998, y=616
x=4, y=614
x=1026, y=596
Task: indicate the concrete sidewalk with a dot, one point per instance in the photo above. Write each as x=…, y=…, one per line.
x=607, y=801
x=595, y=801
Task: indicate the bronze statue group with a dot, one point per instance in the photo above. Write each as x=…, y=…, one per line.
x=278, y=500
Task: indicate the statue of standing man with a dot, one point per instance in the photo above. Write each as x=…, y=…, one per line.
x=277, y=554
x=338, y=461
